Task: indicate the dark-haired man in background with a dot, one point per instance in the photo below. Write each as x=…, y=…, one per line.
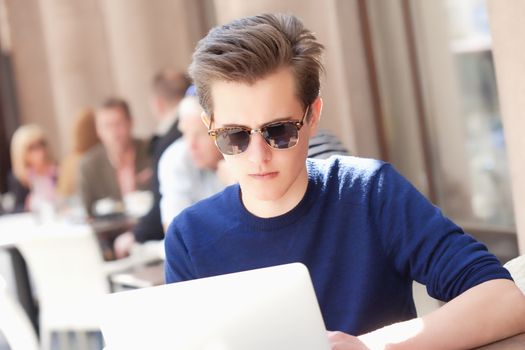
x=168, y=89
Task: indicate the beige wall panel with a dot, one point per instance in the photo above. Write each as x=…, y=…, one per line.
x=145, y=36
x=397, y=91
x=29, y=54
x=508, y=30
x=77, y=58
x=443, y=106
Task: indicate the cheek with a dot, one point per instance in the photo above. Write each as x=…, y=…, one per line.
x=35, y=157
x=122, y=131
x=234, y=164
x=105, y=134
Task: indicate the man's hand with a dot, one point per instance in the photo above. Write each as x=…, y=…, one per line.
x=123, y=244
x=343, y=341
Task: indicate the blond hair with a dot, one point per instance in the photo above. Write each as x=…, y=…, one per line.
x=84, y=131
x=22, y=139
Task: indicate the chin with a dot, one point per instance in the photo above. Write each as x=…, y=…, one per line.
x=265, y=194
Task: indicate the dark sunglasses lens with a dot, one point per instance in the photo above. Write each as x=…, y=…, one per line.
x=281, y=135
x=233, y=141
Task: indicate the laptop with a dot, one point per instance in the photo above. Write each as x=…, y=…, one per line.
x=271, y=308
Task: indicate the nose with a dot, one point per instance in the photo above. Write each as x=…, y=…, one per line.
x=258, y=151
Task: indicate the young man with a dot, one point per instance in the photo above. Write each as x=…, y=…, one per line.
x=362, y=230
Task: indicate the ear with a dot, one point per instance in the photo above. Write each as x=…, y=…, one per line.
x=315, y=115
x=206, y=120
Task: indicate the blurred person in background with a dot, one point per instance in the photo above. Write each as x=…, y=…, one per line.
x=34, y=173
x=84, y=137
x=167, y=89
x=119, y=165
x=324, y=144
x=192, y=168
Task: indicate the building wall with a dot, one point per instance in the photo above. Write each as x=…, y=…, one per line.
x=506, y=19
x=72, y=54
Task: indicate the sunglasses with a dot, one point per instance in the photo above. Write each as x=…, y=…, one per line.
x=236, y=139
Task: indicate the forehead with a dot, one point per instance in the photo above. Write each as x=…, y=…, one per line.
x=270, y=98
x=110, y=114
x=191, y=122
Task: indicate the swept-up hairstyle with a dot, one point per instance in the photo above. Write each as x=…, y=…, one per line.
x=250, y=48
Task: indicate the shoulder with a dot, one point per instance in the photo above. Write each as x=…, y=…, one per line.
x=203, y=208
x=168, y=139
x=345, y=168
x=142, y=154
x=177, y=147
x=174, y=155
x=95, y=155
x=141, y=146
x=197, y=223
x=354, y=178
x=14, y=183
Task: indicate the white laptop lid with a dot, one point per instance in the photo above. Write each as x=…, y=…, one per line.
x=272, y=308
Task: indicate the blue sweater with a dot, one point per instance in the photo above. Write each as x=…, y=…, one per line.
x=362, y=230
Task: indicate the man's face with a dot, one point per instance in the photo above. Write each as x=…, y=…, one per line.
x=113, y=129
x=202, y=150
x=264, y=173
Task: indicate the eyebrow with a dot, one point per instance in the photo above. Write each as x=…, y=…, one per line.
x=284, y=119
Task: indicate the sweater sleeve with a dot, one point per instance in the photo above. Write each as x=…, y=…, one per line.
x=178, y=266
x=423, y=244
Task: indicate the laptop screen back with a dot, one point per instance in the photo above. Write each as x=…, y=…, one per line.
x=271, y=308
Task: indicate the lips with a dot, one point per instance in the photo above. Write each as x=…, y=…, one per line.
x=265, y=175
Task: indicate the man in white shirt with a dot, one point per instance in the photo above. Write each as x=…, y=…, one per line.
x=189, y=169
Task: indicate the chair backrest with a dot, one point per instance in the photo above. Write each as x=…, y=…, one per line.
x=66, y=263
x=14, y=323
x=516, y=268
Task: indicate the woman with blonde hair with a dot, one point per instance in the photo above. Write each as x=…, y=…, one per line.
x=84, y=137
x=34, y=172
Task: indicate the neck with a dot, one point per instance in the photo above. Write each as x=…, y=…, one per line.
x=273, y=208
x=166, y=120
x=119, y=156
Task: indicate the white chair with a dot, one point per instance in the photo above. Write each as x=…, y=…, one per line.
x=14, y=323
x=67, y=267
x=425, y=304
x=516, y=268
